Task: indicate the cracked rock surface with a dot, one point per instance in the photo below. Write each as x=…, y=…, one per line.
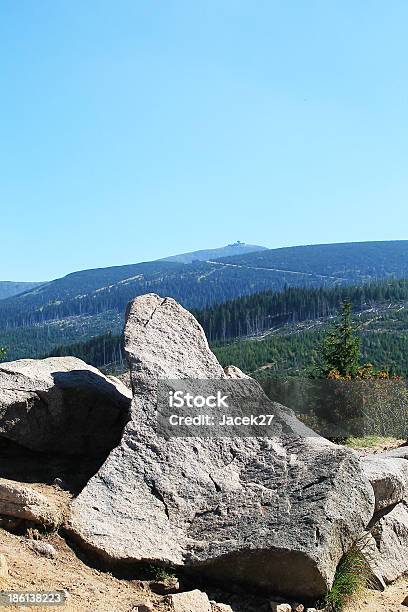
x=276, y=513
x=61, y=405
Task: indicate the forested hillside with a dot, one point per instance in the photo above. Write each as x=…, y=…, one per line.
x=254, y=314
x=95, y=291
x=86, y=304
x=351, y=262
x=295, y=351
x=284, y=330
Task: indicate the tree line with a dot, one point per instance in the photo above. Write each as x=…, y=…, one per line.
x=254, y=314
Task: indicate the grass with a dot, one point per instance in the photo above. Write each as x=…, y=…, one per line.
x=162, y=574
x=368, y=441
x=352, y=576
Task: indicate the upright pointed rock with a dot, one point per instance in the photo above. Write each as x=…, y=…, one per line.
x=276, y=513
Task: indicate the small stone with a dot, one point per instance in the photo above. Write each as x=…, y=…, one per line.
x=144, y=607
x=3, y=567
x=219, y=607
x=43, y=548
x=280, y=607
x=58, y=482
x=298, y=607
x=190, y=601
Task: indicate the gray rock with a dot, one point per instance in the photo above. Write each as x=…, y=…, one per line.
x=389, y=479
x=61, y=404
x=368, y=547
x=391, y=537
x=19, y=501
x=163, y=340
x=396, y=453
x=234, y=372
x=190, y=601
x=277, y=513
x=43, y=548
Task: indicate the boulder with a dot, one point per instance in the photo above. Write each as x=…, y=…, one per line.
x=368, y=547
x=389, y=479
x=21, y=502
x=190, y=601
x=391, y=537
x=276, y=513
x=62, y=405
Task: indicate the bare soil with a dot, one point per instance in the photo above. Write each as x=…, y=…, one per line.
x=388, y=601
x=87, y=588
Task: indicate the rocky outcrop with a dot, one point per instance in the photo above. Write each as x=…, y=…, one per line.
x=277, y=513
x=391, y=537
x=61, y=405
x=21, y=502
x=389, y=479
x=386, y=547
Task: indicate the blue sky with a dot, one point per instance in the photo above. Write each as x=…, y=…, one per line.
x=132, y=130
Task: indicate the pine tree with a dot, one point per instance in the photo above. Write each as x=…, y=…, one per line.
x=340, y=350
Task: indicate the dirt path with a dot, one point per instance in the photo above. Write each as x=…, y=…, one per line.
x=388, y=601
x=88, y=589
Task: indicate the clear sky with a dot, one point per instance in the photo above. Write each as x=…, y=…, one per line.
x=131, y=130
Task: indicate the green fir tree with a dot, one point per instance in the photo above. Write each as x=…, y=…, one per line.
x=340, y=351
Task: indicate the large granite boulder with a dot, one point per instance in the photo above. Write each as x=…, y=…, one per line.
x=61, y=405
x=388, y=477
x=277, y=513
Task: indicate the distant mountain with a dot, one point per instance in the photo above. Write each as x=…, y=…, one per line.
x=238, y=248
x=344, y=262
x=85, y=304
x=273, y=333
x=10, y=288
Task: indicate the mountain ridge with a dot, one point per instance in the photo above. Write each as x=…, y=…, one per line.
x=12, y=288
x=237, y=248
x=87, y=303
